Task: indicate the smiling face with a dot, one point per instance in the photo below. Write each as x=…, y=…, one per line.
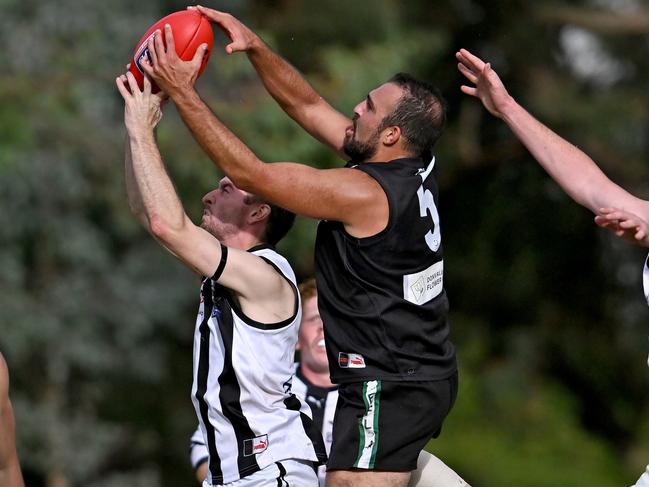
x=225, y=210
x=362, y=139
x=311, y=338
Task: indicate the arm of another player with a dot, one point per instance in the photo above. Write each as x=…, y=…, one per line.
x=346, y=195
x=259, y=287
x=10, y=474
x=570, y=167
x=198, y=455
x=625, y=225
x=285, y=84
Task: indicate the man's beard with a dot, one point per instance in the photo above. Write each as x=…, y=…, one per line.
x=214, y=230
x=361, y=151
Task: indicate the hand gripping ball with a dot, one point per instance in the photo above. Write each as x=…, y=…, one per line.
x=190, y=29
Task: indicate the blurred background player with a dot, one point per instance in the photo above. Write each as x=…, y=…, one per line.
x=257, y=432
x=313, y=384
x=10, y=474
x=578, y=175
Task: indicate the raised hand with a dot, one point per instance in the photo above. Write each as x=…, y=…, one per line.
x=624, y=224
x=243, y=39
x=142, y=109
x=171, y=73
x=486, y=83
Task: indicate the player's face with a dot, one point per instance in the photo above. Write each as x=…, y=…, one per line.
x=224, y=210
x=362, y=138
x=311, y=338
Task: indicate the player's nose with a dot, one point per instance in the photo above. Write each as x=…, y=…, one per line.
x=208, y=199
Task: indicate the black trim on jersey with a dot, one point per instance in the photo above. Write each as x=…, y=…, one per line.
x=269, y=326
x=293, y=403
x=230, y=394
x=262, y=246
x=200, y=462
x=281, y=481
x=221, y=267
x=201, y=389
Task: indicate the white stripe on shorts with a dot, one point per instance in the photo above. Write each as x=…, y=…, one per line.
x=368, y=426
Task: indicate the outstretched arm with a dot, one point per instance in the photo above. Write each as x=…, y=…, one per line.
x=284, y=83
x=260, y=288
x=346, y=195
x=570, y=167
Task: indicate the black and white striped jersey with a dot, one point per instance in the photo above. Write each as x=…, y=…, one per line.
x=323, y=407
x=242, y=390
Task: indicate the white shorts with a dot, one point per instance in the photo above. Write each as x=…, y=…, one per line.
x=287, y=473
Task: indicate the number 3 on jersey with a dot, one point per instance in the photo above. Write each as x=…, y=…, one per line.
x=427, y=207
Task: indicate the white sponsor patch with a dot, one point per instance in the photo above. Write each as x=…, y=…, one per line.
x=421, y=287
x=351, y=361
x=254, y=446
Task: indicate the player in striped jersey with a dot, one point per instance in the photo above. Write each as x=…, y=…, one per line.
x=312, y=382
x=616, y=209
x=256, y=430
x=10, y=474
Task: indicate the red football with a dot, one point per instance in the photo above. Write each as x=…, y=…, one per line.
x=190, y=29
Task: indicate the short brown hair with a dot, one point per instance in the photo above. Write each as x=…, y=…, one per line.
x=308, y=289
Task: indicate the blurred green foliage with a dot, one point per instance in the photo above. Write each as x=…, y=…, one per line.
x=547, y=314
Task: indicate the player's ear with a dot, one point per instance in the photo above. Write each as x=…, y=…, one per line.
x=260, y=213
x=391, y=135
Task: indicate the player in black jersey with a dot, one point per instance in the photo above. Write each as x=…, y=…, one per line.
x=616, y=209
x=379, y=263
x=384, y=308
x=10, y=474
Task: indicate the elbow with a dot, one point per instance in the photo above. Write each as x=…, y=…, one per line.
x=161, y=229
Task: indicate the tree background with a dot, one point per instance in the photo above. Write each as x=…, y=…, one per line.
x=547, y=310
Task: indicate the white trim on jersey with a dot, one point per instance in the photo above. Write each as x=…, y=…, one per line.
x=248, y=416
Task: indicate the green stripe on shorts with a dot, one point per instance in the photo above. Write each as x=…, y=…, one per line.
x=368, y=426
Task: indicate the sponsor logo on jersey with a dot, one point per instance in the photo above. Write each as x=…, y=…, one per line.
x=421, y=287
x=255, y=445
x=351, y=361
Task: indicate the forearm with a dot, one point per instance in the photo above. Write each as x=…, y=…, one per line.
x=150, y=186
x=570, y=167
x=134, y=196
x=284, y=83
x=223, y=147
x=298, y=98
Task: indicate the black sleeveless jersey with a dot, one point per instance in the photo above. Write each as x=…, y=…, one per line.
x=382, y=298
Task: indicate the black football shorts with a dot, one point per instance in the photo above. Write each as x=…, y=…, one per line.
x=383, y=425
